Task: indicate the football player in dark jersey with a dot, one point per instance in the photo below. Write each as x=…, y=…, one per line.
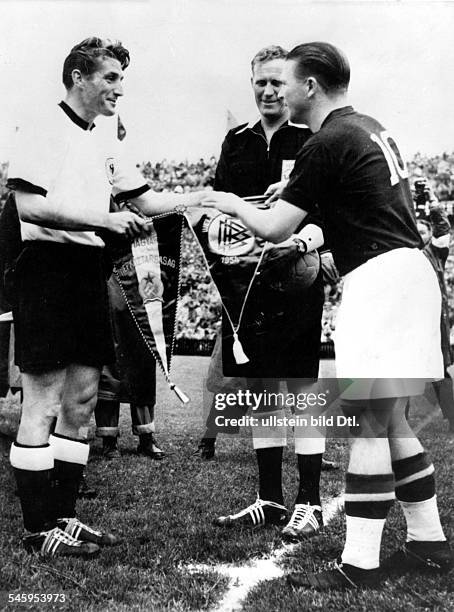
x=388, y=327
x=277, y=319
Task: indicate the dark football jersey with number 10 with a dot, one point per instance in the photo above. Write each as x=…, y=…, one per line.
x=353, y=171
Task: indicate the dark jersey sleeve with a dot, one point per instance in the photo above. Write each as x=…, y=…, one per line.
x=309, y=178
x=222, y=179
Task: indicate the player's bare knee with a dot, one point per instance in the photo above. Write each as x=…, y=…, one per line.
x=354, y=409
x=78, y=414
x=83, y=416
x=86, y=397
x=80, y=395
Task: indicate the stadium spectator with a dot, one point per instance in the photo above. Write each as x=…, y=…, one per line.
x=435, y=233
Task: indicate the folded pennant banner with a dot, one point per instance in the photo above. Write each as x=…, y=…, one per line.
x=231, y=253
x=148, y=271
x=239, y=263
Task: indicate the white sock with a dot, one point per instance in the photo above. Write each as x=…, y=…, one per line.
x=265, y=434
x=362, y=543
x=312, y=444
x=423, y=520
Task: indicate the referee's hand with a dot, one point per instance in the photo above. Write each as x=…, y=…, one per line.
x=126, y=223
x=274, y=191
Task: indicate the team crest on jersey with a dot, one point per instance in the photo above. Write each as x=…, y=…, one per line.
x=110, y=169
x=229, y=237
x=151, y=288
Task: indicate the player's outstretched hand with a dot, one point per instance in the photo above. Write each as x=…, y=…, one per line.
x=126, y=223
x=274, y=191
x=194, y=198
x=225, y=202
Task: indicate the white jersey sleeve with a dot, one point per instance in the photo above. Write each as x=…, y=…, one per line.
x=38, y=154
x=127, y=180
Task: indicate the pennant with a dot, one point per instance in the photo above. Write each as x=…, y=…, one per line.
x=231, y=121
x=149, y=273
x=232, y=256
x=238, y=262
x=121, y=130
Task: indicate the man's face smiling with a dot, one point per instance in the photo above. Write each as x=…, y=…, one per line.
x=266, y=83
x=102, y=88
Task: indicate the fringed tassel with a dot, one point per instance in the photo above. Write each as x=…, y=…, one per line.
x=184, y=399
x=238, y=353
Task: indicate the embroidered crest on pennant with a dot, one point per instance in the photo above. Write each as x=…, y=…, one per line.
x=229, y=237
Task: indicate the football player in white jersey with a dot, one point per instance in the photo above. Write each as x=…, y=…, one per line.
x=63, y=174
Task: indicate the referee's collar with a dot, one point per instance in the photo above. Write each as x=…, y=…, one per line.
x=257, y=122
x=75, y=117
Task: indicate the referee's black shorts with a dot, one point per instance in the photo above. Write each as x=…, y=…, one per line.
x=61, y=310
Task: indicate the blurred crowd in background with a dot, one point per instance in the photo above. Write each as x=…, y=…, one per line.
x=200, y=309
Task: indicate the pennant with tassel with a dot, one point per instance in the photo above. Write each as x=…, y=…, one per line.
x=148, y=271
x=232, y=256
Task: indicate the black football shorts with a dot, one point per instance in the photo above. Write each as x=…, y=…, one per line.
x=61, y=311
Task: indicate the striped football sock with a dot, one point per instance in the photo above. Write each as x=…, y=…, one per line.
x=415, y=490
x=368, y=499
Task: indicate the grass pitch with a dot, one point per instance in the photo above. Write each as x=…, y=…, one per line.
x=164, y=511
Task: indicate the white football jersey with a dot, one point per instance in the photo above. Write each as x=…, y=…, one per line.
x=75, y=167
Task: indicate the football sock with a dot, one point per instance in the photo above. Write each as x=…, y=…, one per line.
x=269, y=430
x=309, y=441
x=368, y=499
x=362, y=544
x=415, y=490
x=309, y=468
x=210, y=436
x=70, y=458
x=32, y=467
x=269, y=462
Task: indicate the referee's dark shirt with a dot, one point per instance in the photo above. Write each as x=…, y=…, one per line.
x=360, y=187
x=248, y=164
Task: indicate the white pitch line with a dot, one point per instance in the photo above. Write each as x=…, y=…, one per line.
x=243, y=578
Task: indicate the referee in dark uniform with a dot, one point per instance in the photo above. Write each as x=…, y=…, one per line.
x=276, y=322
x=387, y=332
